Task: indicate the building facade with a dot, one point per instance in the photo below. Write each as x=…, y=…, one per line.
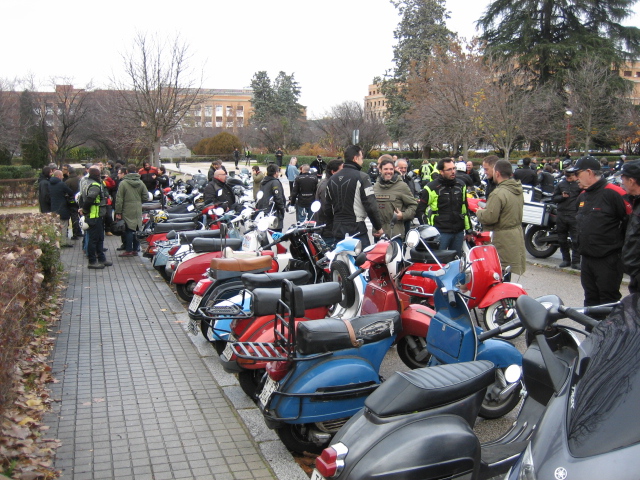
x=375, y=104
x=228, y=109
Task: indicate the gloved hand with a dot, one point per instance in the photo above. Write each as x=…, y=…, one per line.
x=291, y=209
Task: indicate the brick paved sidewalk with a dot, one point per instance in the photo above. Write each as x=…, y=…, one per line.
x=136, y=399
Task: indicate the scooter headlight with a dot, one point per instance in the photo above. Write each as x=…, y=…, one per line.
x=388, y=257
x=358, y=248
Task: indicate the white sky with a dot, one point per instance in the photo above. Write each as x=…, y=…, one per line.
x=334, y=47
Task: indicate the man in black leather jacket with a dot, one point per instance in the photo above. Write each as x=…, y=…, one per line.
x=272, y=189
x=525, y=174
x=565, y=196
x=218, y=193
x=631, y=248
x=350, y=199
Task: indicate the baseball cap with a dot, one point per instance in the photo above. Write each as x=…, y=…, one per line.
x=584, y=163
x=631, y=169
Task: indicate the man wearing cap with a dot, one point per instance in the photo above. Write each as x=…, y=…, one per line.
x=602, y=220
x=631, y=248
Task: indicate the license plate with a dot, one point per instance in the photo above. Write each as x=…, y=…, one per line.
x=195, y=303
x=269, y=387
x=228, y=352
x=316, y=475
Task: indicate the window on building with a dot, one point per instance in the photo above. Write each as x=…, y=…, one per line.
x=219, y=122
x=240, y=122
x=208, y=111
x=229, y=111
x=240, y=111
x=208, y=124
x=627, y=73
x=637, y=74
x=218, y=110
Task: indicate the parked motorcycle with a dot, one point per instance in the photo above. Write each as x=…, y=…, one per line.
x=418, y=425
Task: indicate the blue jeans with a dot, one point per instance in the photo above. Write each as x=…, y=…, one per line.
x=303, y=213
x=131, y=242
x=452, y=241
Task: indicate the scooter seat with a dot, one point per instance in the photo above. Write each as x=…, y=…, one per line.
x=424, y=256
x=240, y=265
x=430, y=387
x=148, y=206
x=329, y=334
x=177, y=226
x=190, y=235
x=203, y=245
x=173, y=217
x=251, y=281
x=265, y=300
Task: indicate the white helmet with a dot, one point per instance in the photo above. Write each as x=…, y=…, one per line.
x=461, y=167
x=83, y=225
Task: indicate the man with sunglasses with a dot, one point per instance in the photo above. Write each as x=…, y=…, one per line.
x=602, y=219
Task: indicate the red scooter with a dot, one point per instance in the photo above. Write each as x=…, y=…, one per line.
x=485, y=286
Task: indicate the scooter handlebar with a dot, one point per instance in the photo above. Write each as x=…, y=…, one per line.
x=581, y=318
x=451, y=296
x=355, y=274
x=494, y=332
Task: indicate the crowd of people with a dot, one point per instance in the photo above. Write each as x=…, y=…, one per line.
x=597, y=221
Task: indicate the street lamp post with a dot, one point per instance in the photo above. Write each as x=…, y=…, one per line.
x=568, y=114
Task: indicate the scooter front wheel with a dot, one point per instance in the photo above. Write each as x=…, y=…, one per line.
x=340, y=273
x=499, y=313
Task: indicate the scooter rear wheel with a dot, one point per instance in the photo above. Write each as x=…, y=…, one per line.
x=185, y=291
x=296, y=439
x=492, y=407
x=495, y=315
x=535, y=244
x=408, y=355
x=163, y=273
x=250, y=381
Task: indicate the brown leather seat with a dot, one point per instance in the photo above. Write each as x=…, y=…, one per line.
x=241, y=264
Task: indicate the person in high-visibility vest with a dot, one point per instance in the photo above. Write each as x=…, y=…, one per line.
x=427, y=171
x=94, y=209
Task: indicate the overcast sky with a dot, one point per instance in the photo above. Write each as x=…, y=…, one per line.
x=334, y=47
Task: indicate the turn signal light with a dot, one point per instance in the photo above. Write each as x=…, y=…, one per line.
x=277, y=370
x=174, y=250
x=331, y=462
x=202, y=287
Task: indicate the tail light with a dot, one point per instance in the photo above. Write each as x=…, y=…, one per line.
x=174, y=250
x=202, y=286
x=331, y=462
x=152, y=250
x=278, y=370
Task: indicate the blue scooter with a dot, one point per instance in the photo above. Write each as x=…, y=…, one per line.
x=454, y=338
x=319, y=373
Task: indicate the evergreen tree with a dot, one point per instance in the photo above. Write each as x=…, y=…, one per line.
x=551, y=37
x=421, y=29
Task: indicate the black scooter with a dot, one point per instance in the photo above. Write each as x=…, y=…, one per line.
x=418, y=424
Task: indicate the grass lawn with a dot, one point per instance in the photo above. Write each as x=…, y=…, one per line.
x=8, y=210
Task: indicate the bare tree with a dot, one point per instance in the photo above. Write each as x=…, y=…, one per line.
x=9, y=117
x=66, y=113
x=442, y=95
x=338, y=125
x=596, y=96
x=158, y=90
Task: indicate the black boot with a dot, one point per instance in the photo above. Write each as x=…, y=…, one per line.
x=566, y=257
x=575, y=263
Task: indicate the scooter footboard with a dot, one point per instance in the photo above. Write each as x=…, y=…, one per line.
x=437, y=447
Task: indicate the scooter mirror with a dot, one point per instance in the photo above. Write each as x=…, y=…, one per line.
x=412, y=239
x=149, y=196
x=513, y=373
x=219, y=211
x=259, y=195
x=315, y=206
x=533, y=315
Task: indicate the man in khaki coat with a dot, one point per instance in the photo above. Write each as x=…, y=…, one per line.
x=503, y=216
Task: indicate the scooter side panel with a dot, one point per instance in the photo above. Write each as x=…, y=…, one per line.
x=500, y=352
x=353, y=366
x=416, y=320
x=191, y=269
x=450, y=341
x=377, y=299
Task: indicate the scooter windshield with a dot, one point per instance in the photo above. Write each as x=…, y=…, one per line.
x=604, y=399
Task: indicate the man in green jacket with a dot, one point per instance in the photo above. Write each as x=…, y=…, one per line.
x=394, y=197
x=503, y=216
x=132, y=192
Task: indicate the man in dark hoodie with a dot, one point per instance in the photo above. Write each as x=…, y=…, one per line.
x=351, y=199
x=303, y=193
x=73, y=182
x=503, y=216
x=132, y=193
x=60, y=194
x=272, y=189
x=94, y=209
x=44, y=200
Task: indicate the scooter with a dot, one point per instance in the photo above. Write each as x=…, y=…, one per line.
x=418, y=424
x=484, y=283
x=342, y=264
x=319, y=371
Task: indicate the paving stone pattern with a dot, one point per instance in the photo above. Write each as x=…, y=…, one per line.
x=135, y=399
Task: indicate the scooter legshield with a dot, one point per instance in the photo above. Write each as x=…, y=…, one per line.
x=501, y=291
x=500, y=352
